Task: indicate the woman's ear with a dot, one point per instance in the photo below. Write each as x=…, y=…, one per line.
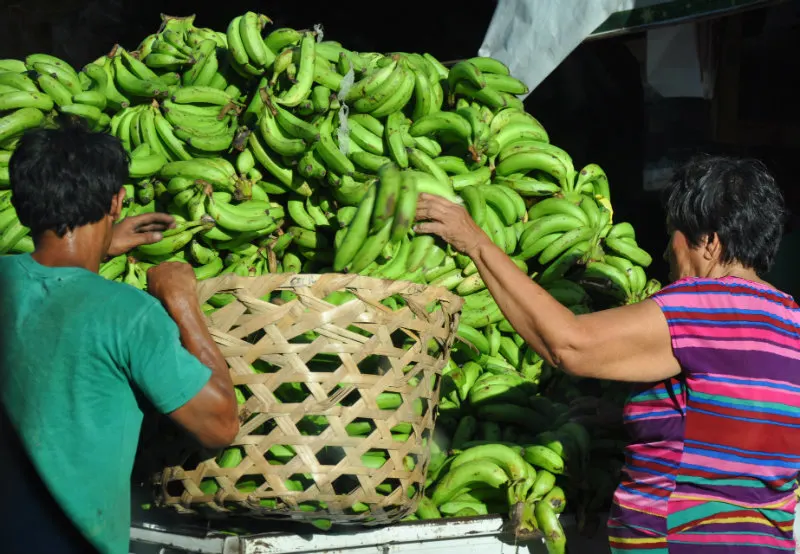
x=712, y=247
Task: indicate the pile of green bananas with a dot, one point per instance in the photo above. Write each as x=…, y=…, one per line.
x=280, y=152
x=495, y=396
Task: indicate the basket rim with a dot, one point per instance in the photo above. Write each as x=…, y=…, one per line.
x=297, y=280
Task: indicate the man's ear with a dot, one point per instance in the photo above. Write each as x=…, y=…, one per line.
x=116, y=204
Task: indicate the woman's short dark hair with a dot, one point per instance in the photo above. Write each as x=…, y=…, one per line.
x=735, y=198
x=65, y=178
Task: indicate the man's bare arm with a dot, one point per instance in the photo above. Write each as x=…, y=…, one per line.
x=211, y=415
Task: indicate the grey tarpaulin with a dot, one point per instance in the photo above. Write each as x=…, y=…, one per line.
x=533, y=37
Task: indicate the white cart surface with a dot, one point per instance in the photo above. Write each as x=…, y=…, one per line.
x=479, y=535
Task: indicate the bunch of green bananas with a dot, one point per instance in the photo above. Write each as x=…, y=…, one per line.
x=22, y=104
x=381, y=225
x=194, y=122
x=494, y=477
x=176, y=47
x=279, y=152
x=620, y=273
x=493, y=403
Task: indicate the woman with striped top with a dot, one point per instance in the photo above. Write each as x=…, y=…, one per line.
x=715, y=419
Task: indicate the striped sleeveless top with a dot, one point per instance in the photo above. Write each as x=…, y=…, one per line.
x=715, y=453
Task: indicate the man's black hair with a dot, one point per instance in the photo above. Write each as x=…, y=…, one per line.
x=65, y=178
x=735, y=198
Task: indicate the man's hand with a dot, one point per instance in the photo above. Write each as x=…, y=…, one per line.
x=451, y=222
x=171, y=282
x=138, y=230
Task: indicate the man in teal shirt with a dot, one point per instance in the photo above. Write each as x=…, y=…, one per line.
x=77, y=347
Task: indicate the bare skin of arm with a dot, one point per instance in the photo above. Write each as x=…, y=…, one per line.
x=630, y=343
x=211, y=415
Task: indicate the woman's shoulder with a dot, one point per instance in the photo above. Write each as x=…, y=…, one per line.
x=728, y=294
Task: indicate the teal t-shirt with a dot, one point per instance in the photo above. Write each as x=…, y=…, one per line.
x=75, y=347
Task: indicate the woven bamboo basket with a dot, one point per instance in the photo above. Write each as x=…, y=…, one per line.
x=338, y=381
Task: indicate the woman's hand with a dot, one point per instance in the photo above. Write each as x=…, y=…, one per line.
x=137, y=231
x=451, y=222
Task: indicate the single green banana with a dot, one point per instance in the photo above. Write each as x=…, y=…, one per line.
x=250, y=26
x=484, y=471
x=547, y=521
x=16, y=123
x=328, y=150
x=371, y=248
x=59, y=94
x=627, y=250
x=305, y=73
x=176, y=238
x=24, y=99
x=489, y=66
x=394, y=139
x=466, y=71
x=452, y=165
x=390, y=179
x=422, y=162
x=19, y=81
x=440, y=122
x=356, y=231
x=544, y=458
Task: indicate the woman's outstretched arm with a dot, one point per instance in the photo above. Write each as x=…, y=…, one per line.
x=631, y=343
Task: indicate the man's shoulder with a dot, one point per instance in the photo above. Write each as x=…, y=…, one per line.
x=120, y=293
x=122, y=299
x=9, y=263
x=84, y=291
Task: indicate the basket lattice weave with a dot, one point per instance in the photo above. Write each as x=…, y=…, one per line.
x=284, y=324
